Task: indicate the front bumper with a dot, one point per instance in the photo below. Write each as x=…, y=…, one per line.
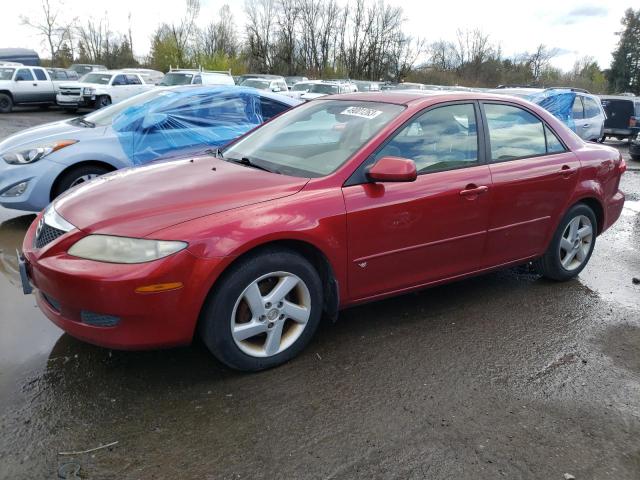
x=70, y=290
x=40, y=176
x=75, y=101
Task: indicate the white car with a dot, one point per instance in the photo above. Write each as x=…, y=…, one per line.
x=100, y=89
x=22, y=85
x=147, y=74
x=196, y=77
x=300, y=88
x=324, y=87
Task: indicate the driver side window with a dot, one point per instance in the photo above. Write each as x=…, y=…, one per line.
x=444, y=138
x=24, y=75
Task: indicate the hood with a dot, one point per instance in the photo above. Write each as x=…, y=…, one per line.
x=138, y=201
x=48, y=133
x=82, y=84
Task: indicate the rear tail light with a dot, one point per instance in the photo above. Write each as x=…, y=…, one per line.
x=632, y=122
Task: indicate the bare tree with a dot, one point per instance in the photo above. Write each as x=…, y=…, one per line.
x=261, y=20
x=220, y=37
x=52, y=28
x=540, y=60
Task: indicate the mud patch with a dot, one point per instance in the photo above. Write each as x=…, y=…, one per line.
x=622, y=344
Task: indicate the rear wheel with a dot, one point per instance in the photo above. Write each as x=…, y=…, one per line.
x=264, y=311
x=6, y=103
x=571, y=246
x=77, y=176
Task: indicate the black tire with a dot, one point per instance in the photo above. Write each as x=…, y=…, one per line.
x=70, y=179
x=6, y=103
x=550, y=265
x=103, y=101
x=215, y=320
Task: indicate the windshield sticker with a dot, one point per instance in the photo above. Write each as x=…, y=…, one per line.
x=361, y=112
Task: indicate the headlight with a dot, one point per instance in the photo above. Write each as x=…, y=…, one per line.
x=88, y=91
x=34, y=153
x=107, y=248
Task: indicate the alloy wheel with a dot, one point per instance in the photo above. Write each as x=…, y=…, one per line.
x=575, y=243
x=270, y=314
x=83, y=179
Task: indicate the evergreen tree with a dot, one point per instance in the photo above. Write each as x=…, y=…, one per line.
x=624, y=75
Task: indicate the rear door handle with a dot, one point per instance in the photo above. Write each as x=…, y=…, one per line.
x=566, y=171
x=586, y=125
x=472, y=190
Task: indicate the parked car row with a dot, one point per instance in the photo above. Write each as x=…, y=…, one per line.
x=342, y=200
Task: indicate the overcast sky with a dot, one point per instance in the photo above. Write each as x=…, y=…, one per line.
x=575, y=27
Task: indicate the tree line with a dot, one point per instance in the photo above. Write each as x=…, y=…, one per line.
x=359, y=39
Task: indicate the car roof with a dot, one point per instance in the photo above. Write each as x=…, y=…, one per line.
x=236, y=89
x=620, y=97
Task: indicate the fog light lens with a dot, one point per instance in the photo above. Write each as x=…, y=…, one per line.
x=16, y=190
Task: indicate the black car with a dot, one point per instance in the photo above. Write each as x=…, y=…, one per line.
x=623, y=116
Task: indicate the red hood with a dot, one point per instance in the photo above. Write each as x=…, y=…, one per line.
x=139, y=201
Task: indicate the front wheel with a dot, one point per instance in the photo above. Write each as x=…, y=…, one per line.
x=103, y=101
x=77, y=176
x=571, y=246
x=264, y=311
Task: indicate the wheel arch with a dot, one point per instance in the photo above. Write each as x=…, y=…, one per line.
x=596, y=206
x=8, y=92
x=98, y=163
x=310, y=252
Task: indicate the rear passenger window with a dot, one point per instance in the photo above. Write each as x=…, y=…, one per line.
x=514, y=132
x=443, y=138
x=577, y=111
x=553, y=144
x=591, y=107
x=133, y=80
x=40, y=75
x=271, y=108
x=24, y=75
x=197, y=80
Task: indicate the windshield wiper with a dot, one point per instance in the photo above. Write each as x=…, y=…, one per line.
x=246, y=161
x=216, y=152
x=84, y=122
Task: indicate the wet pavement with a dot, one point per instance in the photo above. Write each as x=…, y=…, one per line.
x=503, y=375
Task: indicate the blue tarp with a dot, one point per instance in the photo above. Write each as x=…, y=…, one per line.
x=186, y=118
x=558, y=102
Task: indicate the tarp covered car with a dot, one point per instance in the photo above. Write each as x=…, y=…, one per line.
x=40, y=163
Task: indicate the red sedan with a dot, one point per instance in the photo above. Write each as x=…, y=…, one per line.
x=342, y=200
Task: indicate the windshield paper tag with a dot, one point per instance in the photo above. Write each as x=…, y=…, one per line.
x=361, y=112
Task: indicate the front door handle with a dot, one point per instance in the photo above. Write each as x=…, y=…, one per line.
x=472, y=191
x=586, y=125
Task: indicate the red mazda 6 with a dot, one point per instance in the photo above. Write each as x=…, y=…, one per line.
x=339, y=201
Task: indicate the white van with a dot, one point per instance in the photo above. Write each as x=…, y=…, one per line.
x=196, y=77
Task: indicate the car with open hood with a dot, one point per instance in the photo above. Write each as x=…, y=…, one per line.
x=342, y=200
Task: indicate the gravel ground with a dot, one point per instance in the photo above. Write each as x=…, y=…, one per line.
x=505, y=375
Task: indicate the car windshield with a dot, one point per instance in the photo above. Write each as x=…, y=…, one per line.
x=6, y=73
x=98, y=78
x=105, y=116
x=301, y=87
x=314, y=139
x=177, y=79
x=323, y=88
x=256, y=83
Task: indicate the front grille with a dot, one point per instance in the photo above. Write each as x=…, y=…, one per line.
x=99, y=319
x=47, y=235
x=70, y=91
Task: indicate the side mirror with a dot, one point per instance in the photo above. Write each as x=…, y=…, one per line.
x=393, y=169
x=275, y=89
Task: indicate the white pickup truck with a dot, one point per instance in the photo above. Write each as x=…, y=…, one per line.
x=101, y=89
x=22, y=85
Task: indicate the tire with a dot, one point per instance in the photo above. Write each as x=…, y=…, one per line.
x=559, y=266
x=6, y=103
x=103, y=101
x=76, y=176
x=254, y=278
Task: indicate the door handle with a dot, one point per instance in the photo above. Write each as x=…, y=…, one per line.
x=473, y=191
x=586, y=125
x=35, y=84
x=566, y=171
